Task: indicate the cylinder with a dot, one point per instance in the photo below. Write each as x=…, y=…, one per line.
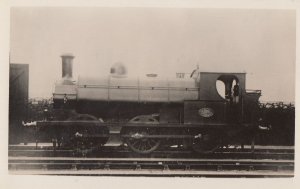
x=67, y=65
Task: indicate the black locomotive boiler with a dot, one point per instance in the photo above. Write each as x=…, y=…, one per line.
x=150, y=113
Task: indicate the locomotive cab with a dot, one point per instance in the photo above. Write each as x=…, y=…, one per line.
x=209, y=90
x=222, y=100
x=223, y=111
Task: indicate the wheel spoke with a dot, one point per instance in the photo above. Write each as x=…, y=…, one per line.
x=135, y=142
x=148, y=142
x=139, y=146
x=142, y=146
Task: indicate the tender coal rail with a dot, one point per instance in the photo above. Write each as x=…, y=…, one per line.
x=151, y=167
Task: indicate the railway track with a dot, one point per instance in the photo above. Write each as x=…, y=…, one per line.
x=118, y=161
x=151, y=167
x=286, y=153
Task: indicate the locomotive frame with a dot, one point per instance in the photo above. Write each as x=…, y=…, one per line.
x=204, y=121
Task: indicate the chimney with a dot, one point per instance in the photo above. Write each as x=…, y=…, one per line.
x=67, y=65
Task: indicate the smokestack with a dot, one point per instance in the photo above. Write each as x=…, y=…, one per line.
x=67, y=65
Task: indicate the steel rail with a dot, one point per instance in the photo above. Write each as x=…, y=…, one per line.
x=158, y=173
x=179, y=167
x=174, y=152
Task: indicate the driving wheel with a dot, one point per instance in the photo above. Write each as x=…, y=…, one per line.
x=137, y=140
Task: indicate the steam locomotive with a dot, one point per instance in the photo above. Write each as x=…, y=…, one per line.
x=150, y=113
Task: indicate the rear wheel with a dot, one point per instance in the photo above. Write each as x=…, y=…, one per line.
x=206, y=142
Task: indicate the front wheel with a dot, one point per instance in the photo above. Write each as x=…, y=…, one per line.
x=80, y=136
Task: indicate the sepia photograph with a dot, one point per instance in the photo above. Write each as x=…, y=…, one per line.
x=152, y=92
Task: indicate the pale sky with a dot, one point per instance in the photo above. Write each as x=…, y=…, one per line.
x=261, y=43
